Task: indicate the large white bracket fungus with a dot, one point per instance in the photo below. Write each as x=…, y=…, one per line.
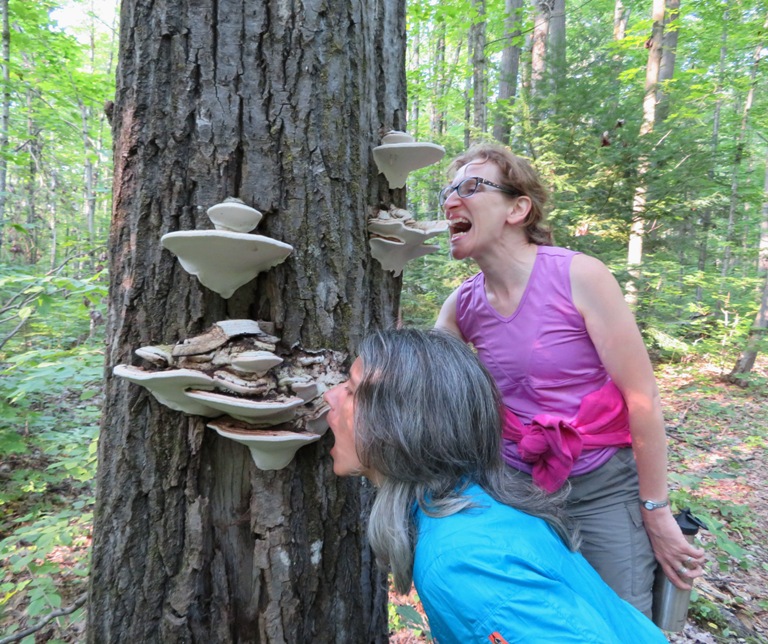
x=233, y=215
x=226, y=258
x=170, y=387
x=255, y=412
x=399, y=154
x=224, y=261
x=270, y=450
x=255, y=386
x=396, y=238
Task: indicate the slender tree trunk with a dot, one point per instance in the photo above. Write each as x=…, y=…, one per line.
x=477, y=47
x=759, y=332
x=415, y=103
x=637, y=230
x=438, y=108
x=543, y=11
x=468, y=106
x=90, y=174
x=738, y=157
x=706, y=215
x=556, y=62
x=668, y=55
x=620, y=20
x=510, y=65
x=5, y=114
x=33, y=144
x=280, y=107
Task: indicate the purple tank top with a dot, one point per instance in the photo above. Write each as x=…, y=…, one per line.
x=541, y=356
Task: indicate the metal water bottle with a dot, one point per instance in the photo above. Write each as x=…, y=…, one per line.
x=670, y=604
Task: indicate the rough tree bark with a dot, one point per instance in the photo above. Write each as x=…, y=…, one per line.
x=278, y=105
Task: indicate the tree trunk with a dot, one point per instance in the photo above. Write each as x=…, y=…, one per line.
x=477, y=47
x=438, y=100
x=280, y=107
x=668, y=55
x=510, y=64
x=468, y=103
x=620, y=20
x=706, y=215
x=738, y=156
x=5, y=115
x=543, y=10
x=415, y=103
x=637, y=229
x=90, y=176
x=556, y=61
x=759, y=332
x=33, y=145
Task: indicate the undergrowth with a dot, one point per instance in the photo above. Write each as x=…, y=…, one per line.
x=50, y=394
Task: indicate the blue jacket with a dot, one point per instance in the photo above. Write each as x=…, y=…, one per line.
x=494, y=569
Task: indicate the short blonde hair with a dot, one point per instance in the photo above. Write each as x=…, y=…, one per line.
x=517, y=175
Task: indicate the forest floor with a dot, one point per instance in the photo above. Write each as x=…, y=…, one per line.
x=718, y=452
x=718, y=440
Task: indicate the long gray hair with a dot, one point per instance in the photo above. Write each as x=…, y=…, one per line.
x=428, y=423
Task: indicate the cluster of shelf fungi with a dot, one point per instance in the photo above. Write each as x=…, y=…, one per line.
x=236, y=374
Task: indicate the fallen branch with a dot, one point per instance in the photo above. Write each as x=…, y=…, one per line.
x=57, y=613
x=2, y=344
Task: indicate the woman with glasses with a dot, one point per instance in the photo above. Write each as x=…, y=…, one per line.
x=490, y=556
x=577, y=385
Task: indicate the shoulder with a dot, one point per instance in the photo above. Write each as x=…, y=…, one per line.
x=558, y=259
x=455, y=304
x=446, y=319
x=490, y=528
x=593, y=284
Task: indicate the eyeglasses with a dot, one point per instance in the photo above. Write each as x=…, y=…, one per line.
x=467, y=187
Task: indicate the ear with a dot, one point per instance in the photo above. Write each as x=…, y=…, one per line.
x=518, y=209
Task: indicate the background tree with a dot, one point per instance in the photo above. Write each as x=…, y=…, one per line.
x=510, y=64
x=280, y=108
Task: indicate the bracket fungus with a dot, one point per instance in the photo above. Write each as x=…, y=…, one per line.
x=236, y=371
x=254, y=412
x=229, y=257
x=233, y=215
x=170, y=387
x=256, y=362
x=396, y=238
x=270, y=450
x=399, y=154
x=224, y=261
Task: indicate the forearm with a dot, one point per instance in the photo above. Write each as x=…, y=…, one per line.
x=649, y=442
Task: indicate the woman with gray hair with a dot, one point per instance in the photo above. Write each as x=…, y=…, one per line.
x=489, y=553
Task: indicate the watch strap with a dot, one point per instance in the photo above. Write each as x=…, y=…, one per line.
x=654, y=505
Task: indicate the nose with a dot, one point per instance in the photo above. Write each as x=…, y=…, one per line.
x=452, y=199
x=329, y=395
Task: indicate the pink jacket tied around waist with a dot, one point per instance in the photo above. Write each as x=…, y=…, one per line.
x=552, y=444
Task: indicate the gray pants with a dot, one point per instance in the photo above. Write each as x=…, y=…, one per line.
x=605, y=506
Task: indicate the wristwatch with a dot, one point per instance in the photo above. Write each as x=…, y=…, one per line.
x=653, y=505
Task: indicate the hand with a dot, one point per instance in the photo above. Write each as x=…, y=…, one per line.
x=680, y=560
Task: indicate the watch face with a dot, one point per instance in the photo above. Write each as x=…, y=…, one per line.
x=649, y=505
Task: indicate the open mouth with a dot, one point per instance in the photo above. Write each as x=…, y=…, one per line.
x=459, y=227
